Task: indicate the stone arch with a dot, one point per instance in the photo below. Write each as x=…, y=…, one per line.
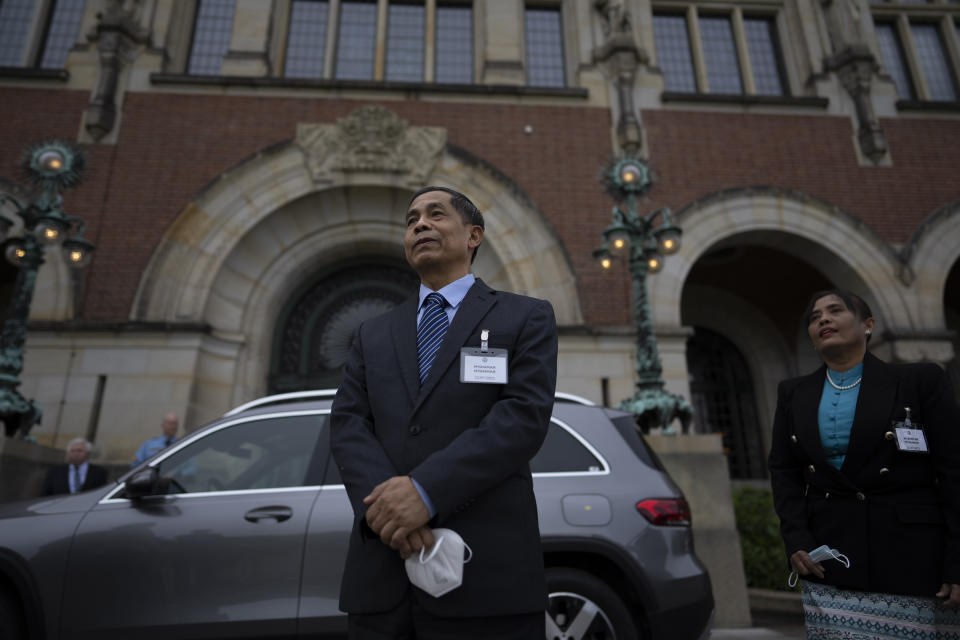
x=837, y=243
x=234, y=256
x=522, y=251
x=931, y=252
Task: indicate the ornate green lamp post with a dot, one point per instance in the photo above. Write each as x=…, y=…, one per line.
x=645, y=244
x=51, y=167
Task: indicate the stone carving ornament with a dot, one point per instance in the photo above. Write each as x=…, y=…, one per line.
x=371, y=139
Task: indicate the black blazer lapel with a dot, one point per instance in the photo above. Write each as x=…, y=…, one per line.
x=404, y=329
x=478, y=301
x=875, y=405
x=806, y=405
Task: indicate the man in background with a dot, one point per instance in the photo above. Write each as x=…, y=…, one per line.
x=77, y=474
x=152, y=446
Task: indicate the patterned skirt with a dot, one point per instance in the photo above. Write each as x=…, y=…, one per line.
x=842, y=614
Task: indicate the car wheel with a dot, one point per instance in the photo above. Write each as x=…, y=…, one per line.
x=11, y=619
x=581, y=607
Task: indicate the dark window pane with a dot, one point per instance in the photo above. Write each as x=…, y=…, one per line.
x=720, y=53
x=893, y=60
x=262, y=454
x=307, y=39
x=764, y=60
x=561, y=452
x=673, y=53
x=544, y=48
x=355, y=42
x=211, y=36
x=932, y=57
x=405, y=42
x=15, y=19
x=455, y=44
x=62, y=33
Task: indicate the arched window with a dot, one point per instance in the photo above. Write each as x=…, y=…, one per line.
x=723, y=398
x=316, y=330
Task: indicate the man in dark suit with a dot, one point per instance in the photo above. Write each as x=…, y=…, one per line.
x=419, y=445
x=77, y=474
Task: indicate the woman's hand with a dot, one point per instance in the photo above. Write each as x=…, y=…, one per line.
x=952, y=594
x=803, y=565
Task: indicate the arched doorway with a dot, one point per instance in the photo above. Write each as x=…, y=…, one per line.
x=744, y=298
x=317, y=327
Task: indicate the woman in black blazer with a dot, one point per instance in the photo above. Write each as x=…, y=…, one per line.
x=849, y=471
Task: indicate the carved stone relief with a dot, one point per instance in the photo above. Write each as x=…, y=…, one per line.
x=620, y=55
x=855, y=66
x=117, y=34
x=371, y=139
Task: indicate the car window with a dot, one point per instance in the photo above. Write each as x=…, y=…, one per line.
x=562, y=452
x=260, y=454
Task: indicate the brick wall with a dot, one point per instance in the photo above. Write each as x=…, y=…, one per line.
x=171, y=146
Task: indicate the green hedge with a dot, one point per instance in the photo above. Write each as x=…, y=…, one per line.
x=764, y=561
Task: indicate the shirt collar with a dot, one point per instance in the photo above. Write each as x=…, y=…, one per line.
x=845, y=377
x=453, y=293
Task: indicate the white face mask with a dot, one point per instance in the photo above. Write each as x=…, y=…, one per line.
x=821, y=553
x=441, y=570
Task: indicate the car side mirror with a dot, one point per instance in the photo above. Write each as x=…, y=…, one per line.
x=142, y=483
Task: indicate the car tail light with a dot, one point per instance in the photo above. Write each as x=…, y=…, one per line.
x=665, y=511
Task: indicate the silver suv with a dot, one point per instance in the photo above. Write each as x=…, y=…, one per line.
x=240, y=530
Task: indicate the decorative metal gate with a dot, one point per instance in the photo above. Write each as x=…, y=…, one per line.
x=316, y=330
x=723, y=399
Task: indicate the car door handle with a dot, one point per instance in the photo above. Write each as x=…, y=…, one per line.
x=263, y=513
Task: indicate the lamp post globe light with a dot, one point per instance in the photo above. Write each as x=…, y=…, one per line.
x=51, y=167
x=644, y=244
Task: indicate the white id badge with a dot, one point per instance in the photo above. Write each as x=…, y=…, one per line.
x=483, y=367
x=910, y=439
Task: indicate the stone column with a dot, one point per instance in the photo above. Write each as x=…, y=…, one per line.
x=502, y=47
x=247, y=55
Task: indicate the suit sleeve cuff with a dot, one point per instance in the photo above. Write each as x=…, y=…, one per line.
x=426, y=499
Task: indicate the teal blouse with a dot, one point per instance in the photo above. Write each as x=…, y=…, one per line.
x=837, y=409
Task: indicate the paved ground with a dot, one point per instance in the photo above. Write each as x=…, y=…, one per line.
x=766, y=626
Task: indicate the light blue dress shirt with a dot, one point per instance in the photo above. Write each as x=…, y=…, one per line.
x=150, y=447
x=76, y=476
x=453, y=293
x=837, y=410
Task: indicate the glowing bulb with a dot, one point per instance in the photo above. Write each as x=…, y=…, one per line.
x=20, y=253
x=50, y=233
x=606, y=263
x=76, y=256
x=668, y=244
x=654, y=264
x=619, y=243
x=51, y=160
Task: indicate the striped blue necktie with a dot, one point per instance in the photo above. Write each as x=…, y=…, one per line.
x=430, y=333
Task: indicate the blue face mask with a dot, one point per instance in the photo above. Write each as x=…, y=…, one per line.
x=821, y=553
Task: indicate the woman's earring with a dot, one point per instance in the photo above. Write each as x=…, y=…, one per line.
x=868, y=332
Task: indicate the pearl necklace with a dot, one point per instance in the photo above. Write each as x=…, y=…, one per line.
x=844, y=387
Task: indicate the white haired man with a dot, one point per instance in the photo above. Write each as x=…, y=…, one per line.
x=77, y=474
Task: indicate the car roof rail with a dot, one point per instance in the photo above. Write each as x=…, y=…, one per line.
x=282, y=397
x=572, y=399
x=329, y=393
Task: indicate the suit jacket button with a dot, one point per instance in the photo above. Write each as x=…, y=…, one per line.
x=889, y=435
x=812, y=469
x=793, y=438
x=860, y=496
x=884, y=471
x=415, y=430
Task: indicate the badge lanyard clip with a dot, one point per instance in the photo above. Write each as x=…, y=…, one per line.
x=485, y=340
